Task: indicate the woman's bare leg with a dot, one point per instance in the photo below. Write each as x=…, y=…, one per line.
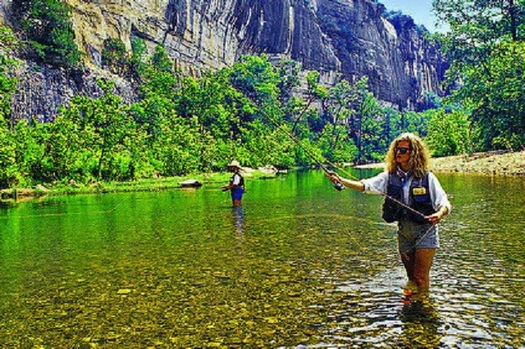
x=422, y=264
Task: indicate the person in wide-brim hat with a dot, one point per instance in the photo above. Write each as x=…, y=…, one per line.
x=234, y=163
x=236, y=185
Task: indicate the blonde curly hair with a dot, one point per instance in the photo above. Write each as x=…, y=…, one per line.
x=419, y=155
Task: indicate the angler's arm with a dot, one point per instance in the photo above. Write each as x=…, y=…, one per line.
x=335, y=178
x=229, y=187
x=373, y=185
x=435, y=218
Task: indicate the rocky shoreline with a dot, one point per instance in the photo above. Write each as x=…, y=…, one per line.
x=495, y=163
x=488, y=163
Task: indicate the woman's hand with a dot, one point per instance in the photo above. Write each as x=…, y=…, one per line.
x=435, y=218
x=333, y=177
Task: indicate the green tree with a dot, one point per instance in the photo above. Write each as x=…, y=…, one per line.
x=178, y=147
x=485, y=46
x=342, y=110
x=115, y=57
x=414, y=122
x=31, y=145
x=48, y=26
x=371, y=143
x=289, y=71
x=107, y=128
x=257, y=78
x=9, y=174
x=391, y=125
x=8, y=44
x=158, y=77
x=476, y=28
x=497, y=97
x=449, y=133
x=314, y=93
x=137, y=60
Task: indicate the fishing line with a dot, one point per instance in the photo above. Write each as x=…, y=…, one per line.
x=423, y=236
x=336, y=216
x=338, y=186
x=417, y=242
x=316, y=215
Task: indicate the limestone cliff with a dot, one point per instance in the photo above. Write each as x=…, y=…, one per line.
x=348, y=37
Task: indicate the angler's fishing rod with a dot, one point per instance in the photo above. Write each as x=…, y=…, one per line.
x=337, y=185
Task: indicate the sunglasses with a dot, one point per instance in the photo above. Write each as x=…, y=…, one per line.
x=401, y=150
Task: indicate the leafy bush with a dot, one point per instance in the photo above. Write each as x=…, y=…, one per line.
x=115, y=56
x=449, y=133
x=47, y=24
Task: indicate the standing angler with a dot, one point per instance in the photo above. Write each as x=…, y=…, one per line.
x=236, y=185
x=414, y=198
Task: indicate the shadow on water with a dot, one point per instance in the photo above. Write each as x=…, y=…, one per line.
x=299, y=265
x=421, y=324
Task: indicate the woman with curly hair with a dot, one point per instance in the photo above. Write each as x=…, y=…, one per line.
x=414, y=199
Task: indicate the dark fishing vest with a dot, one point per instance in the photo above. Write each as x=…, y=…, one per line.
x=241, y=182
x=419, y=199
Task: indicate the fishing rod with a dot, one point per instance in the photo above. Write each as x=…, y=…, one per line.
x=337, y=185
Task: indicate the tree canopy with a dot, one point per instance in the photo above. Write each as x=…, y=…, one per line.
x=485, y=46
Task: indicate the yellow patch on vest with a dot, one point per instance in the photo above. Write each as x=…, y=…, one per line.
x=419, y=191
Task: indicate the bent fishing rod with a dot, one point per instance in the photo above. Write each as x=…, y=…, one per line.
x=337, y=185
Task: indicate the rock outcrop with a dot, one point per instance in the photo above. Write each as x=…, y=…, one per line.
x=352, y=38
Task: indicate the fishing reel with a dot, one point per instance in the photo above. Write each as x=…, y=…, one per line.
x=339, y=186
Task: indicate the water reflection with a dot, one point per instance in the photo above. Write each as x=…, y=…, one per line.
x=238, y=222
x=238, y=219
x=420, y=322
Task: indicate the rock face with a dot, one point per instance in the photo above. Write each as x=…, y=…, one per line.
x=399, y=62
x=348, y=37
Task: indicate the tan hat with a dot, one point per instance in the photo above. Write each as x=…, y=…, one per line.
x=234, y=163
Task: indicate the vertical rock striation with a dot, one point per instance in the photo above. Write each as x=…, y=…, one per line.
x=352, y=38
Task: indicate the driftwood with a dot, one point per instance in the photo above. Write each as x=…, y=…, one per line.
x=190, y=183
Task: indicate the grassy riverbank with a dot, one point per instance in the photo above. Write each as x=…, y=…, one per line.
x=489, y=163
x=154, y=184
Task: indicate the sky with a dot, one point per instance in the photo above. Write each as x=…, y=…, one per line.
x=420, y=10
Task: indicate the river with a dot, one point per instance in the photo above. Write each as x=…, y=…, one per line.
x=300, y=265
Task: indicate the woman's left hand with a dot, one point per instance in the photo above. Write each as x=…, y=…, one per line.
x=435, y=218
x=333, y=177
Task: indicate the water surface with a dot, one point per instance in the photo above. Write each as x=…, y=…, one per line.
x=300, y=265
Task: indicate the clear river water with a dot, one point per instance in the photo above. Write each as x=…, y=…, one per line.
x=300, y=265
